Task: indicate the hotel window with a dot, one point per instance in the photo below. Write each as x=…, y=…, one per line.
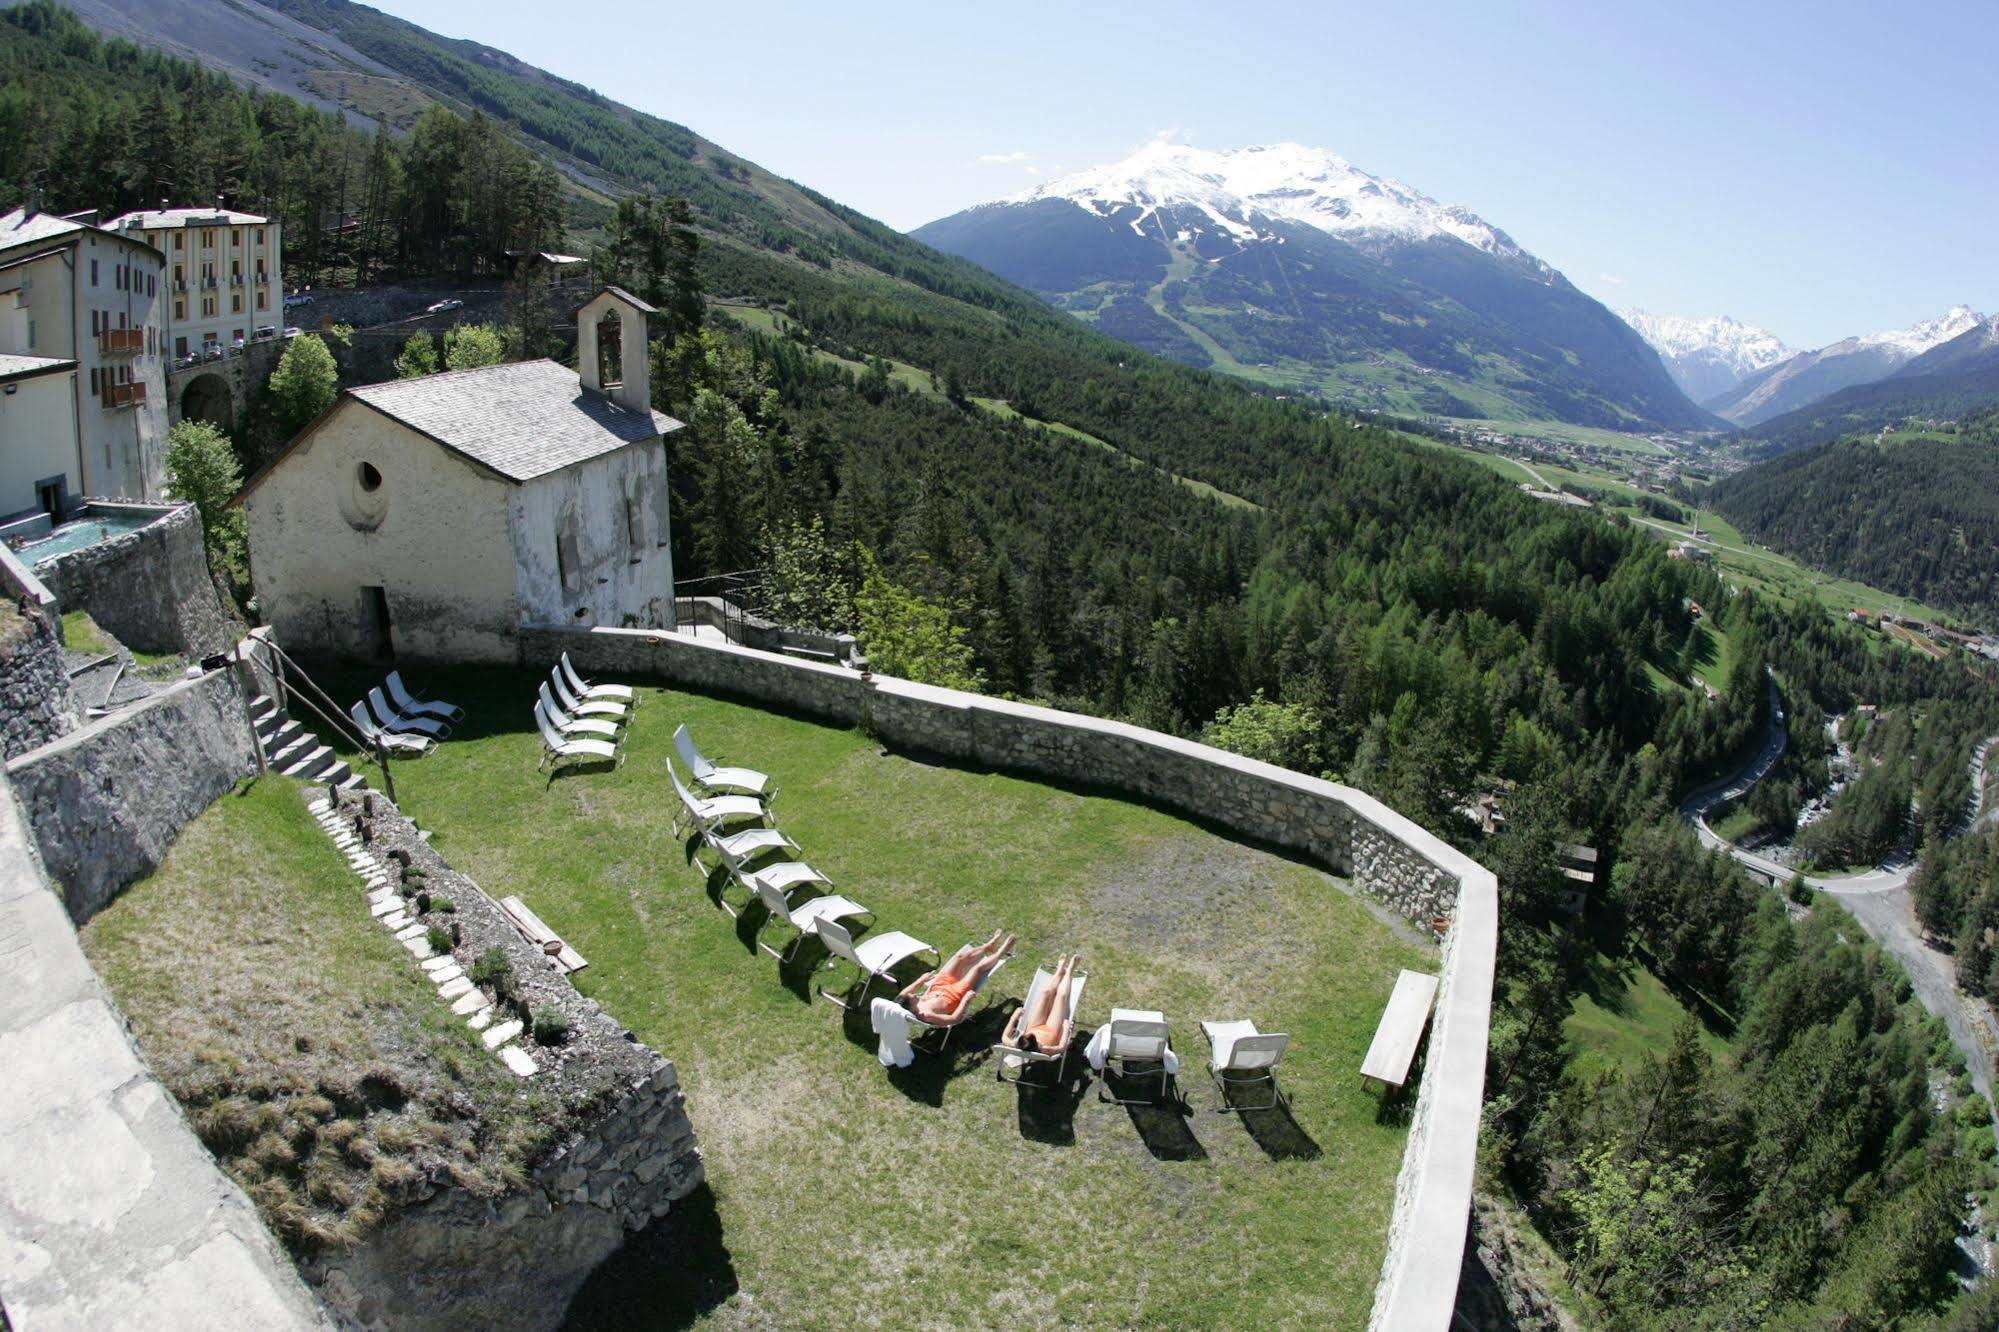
x=93, y=379
x=236, y=302
x=180, y=309
x=93, y=272
x=207, y=307
x=260, y=235
x=263, y=300
x=180, y=241
x=236, y=237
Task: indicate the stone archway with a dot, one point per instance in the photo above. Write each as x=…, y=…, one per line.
x=207, y=397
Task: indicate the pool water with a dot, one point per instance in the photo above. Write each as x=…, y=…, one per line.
x=85, y=531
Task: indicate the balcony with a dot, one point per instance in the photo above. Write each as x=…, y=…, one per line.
x=208, y=283
x=121, y=341
x=124, y=395
x=235, y=279
x=178, y=284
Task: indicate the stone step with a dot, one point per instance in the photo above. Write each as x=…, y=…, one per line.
x=455, y=987
x=386, y=905
x=495, y=1037
x=437, y=964
x=307, y=765
x=469, y=1000
x=480, y=1018
x=419, y=946
x=281, y=753
x=519, y=1061
x=450, y=975
x=407, y=932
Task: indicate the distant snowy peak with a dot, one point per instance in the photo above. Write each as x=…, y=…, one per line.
x=1741, y=348
x=1242, y=187
x=1913, y=342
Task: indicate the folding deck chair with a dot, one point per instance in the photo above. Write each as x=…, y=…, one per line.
x=709, y=815
x=569, y=725
x=397, y=742
x=804, y=918
x=741, y=781
x=575, y=705
x=560, y=749
x=925, y=1030
x=877, y=956
x=409, y=705
x=1133, y=1036
x=389, y=719
x=1241, y=1056
x=1013, y=1065
x=582, y=688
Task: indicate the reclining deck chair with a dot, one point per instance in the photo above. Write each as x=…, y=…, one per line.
x=1241, y=1056
x=877, y=956
x=921, y=1040
x=389, y=719
x=1013, y=1065
x=1133, y=1036
x=741, y=781
x=582, y=688
x=396, y=742
x=561, y=749
x=709, y=815
x=569, y=725
x=409, y=705
x=803, y=918
x=577, y=706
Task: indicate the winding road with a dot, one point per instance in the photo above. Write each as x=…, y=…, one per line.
x=1877, y=898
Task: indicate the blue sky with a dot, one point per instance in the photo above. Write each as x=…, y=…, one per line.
x=1820, y=169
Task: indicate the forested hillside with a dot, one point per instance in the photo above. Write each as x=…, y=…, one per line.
x=994, y=496
x=1949, y=392
x=1919, y=517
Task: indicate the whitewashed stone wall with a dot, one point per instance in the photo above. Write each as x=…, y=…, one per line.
x=1346, y=830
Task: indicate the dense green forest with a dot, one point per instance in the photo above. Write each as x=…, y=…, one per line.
x=994, y=495
x=90, y=123
x=1919, y=517
x=1948, y=394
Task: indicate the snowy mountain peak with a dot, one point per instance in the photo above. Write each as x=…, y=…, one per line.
x=1916, y=340
x=1718, y=339
x=1291, y=182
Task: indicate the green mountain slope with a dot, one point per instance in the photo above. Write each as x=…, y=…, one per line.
x=1918, y=516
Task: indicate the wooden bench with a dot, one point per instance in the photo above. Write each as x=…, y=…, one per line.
x=539, y=934
x=1401, y=1029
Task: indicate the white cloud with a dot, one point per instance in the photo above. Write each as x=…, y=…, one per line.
x=1611, y=278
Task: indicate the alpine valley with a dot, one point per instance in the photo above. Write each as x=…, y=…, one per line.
x=1288, y=265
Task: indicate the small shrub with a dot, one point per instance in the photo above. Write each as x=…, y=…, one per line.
x=422, y=903
x=439, y=939
x=551, y=1025
x=444, y=906
x=492, y=968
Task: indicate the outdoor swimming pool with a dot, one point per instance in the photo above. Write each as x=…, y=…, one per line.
x=96, y=525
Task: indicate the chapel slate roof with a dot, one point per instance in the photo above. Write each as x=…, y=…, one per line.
x=522, y=420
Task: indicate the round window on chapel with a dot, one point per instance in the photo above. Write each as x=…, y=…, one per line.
x=371, y=480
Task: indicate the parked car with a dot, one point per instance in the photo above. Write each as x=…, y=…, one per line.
x=266, y=333
x=212, y=351
x=442, y=306
x=291, y=330
x=297, y=299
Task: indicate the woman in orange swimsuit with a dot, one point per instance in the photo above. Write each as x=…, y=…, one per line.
x=1044, y=1026
x=943, y=997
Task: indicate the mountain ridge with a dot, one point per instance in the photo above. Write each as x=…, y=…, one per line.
x=1810, y=376
x=1287, y=264
x=1707, y=354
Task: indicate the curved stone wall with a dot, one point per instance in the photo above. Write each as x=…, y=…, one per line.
x=1346, y=830
x=149, y=588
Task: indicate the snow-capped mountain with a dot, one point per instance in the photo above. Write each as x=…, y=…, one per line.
x=1710, y=354
x=1242, y=191
x=1291, y=266
x=1809, y=376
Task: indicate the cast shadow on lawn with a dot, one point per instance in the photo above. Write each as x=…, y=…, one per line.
x=666, y=1276
x=1272, y=1127
x=1166, y=1129
x=924, y=1080
x=1046, y=1104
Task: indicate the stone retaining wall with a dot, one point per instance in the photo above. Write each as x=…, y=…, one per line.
x=108, y=800
x=149, y=588
x=36, y=704
x=516, y=1260
x=1346, y=830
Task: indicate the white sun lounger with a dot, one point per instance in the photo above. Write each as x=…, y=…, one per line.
x=409, y=705
x=747, y=781
x=1012, y=1065
x=414, y=746
x=584, y=689
x=577, y=706
x=390, y=720
x=1241, y=1056
x=569, y=725
x=805, y=917
x=877, y=956
x=710, y=814
x=1133, y=1036
x=561, y=749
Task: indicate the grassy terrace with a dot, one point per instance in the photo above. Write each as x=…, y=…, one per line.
x=936, y=1192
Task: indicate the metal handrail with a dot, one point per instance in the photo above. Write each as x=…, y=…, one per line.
x=371, y=749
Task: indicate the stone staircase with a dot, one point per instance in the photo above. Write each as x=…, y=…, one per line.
x=296, y=752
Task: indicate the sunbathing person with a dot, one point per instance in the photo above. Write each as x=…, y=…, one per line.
x=1044, y=1026
x=943, y=997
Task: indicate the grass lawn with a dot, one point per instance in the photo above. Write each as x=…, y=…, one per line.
x=935, y=1195
x=82, y=634
x=306, y=1047
x=1625, y=1015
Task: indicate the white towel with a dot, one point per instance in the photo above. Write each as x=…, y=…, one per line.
x=892, y=1023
